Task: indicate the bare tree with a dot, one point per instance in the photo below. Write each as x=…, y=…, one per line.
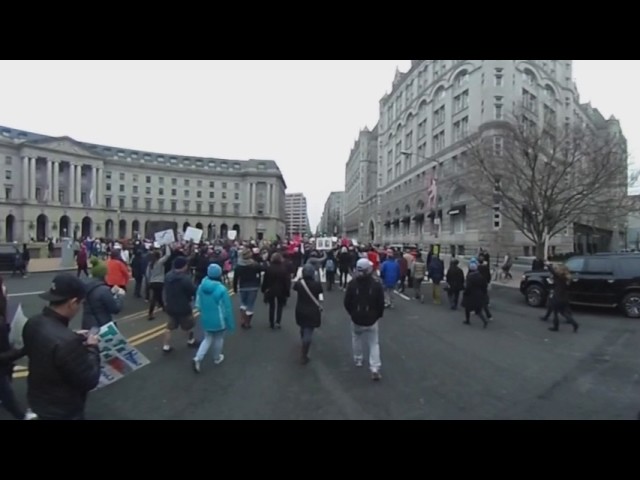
x=545, y=179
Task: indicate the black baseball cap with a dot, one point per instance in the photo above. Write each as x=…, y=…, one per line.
x=64, y=287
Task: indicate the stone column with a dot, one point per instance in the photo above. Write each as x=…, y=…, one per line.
x=25, y=178
x=94, y=186
x=270, y=199
x=49, y=186
x=78, y=183
x=71, y=190
x=56, y=181
x=32, y=178
x=98, y=186
x=250, y=198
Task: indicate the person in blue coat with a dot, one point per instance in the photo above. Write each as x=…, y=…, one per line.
x=216, y=315
x=390, y=275
x=436, y=274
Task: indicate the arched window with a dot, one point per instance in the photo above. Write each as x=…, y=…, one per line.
x=462, y=78
x=439, y=94
x=550, y=92
x=529, y=77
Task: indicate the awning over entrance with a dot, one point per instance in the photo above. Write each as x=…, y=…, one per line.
x=458, y=210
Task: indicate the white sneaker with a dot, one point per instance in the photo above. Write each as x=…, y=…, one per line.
x=30, y=415
x=358, y=363
x=219, y=360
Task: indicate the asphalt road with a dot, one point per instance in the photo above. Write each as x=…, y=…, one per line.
x=434, y=367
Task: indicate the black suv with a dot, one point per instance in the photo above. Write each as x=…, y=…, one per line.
x=604, y=280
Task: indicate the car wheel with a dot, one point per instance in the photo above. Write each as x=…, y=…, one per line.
x=631, y=305
x=535, y=296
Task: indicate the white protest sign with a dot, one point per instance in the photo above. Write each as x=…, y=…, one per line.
x=117, y=357
x=193, y=234
x=165, y=237
x=324, y=244
x=232, y=234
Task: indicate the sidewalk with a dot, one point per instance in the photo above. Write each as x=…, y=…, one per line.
x=43, y=265
x=516, y=272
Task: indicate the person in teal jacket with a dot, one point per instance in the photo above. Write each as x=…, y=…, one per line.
x=216, y=315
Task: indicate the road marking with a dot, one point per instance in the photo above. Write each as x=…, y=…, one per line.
x=402, y=295
x=24, y=294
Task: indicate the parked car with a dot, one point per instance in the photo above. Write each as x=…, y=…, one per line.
x=603, y=280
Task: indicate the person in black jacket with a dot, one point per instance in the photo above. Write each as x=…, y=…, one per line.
x=64, y=366
x=276, y=287
x=455, y=282
x=344, y=263
x=308, y=308
x=246, y=280
x=561, y=282
x=474, y=298
x=8, y=355
x=179, y=292
x=364, y=302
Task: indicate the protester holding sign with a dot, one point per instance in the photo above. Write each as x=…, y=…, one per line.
x=64, y=366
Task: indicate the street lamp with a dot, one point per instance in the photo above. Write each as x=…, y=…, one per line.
x=438, y=220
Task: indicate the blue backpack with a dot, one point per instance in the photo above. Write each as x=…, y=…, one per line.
x=330, y=266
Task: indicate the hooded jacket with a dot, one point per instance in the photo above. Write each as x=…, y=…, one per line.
x=100, y=304
x=214, y=303
x=390, y=273
x=364, y=300
x=178, y=293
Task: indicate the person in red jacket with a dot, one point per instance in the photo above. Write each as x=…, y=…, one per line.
x=82, y=261
x=117, y=271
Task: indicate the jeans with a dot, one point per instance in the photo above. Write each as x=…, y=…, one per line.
x=436, y=293
x=211, y=338
x=343, y=277
x=388, y=295
x=331, y=279
x=369, y=335
x=137, y=291
x=454, y=297
x=248, y=300
x=8, y=398
x=276, y=305
x=306, y=334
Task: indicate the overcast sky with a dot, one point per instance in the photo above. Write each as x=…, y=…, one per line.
x=303, y=114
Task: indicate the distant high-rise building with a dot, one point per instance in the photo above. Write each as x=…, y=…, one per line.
x=297, y=216
x=332, y=222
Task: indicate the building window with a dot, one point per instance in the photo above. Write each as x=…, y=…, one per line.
x=186, y=193
x=83, y=197
x=438, y=117
x=161, y=191
x=438, y=142
x=460, y=129
x=458, y=223
x=199, y=194
x=408, y=141
x=224, y=184
x=224, y=195
x=161, y=204
x=223, y=208
x=461, y=79
x=174, y=181
x=148, y=179
x=107, y=175
x=122, y=202
x=212, y=207
x=107, y=201
x=7, y=160
x=498, y=146
x=236, y=196
x=497, y=111
x=174, y=206
x=135, y=189
x=550, y=115
x=198, y=207
x=212, y=194
x=236, y=186
x=199, y=183
x=174, y=192
x=7, y=175
x=422, y=128
x=498, y=80
x=460, y=102
x=186, y=182
x=121, y=177
x=161, y=180
x=135, y=179
x=529, y=100
x=147, y=204
x=134, y=203
x=7, y=193
x=236, y=209
x=212, y=184
x=186, y=204
x=121, y=188
x=147, y=191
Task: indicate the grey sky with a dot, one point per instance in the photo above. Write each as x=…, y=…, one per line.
x=303, y=114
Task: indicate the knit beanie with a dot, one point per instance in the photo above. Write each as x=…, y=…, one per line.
x=98, y=269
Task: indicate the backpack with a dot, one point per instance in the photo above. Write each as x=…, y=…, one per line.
x=330, y=266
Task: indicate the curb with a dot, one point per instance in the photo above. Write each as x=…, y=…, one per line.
x=59, y=269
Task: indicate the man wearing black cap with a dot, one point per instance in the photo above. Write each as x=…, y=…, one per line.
x=64, y=366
